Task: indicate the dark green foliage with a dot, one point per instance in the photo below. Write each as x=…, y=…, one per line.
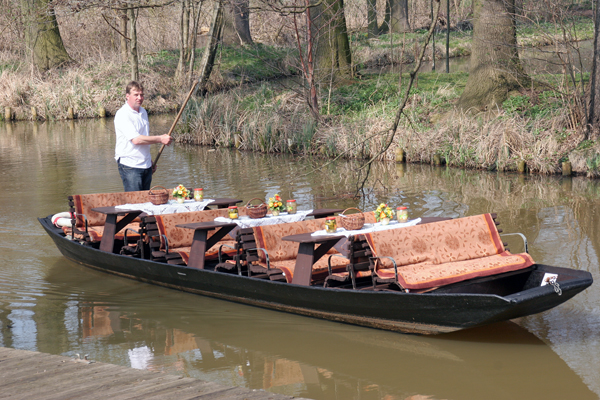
x=375, y=89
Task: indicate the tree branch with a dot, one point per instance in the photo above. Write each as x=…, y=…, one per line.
x=392, y=132
x=115, y=29
x=413, y=75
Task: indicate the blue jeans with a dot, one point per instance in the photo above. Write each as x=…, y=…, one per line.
x=135, y=179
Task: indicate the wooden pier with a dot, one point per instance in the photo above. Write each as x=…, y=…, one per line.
x=33, y=375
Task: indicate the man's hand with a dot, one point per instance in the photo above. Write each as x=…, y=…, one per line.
x=165, y=139
x=153, y=168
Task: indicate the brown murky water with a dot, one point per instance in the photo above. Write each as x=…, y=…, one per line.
x=52, y=305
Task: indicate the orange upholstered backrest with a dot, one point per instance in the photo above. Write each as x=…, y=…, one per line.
x=182, y=237
x=85, y=202
x=269, y=237
x=457, y=239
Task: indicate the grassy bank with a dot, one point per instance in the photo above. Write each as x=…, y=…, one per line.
x=535, y=126
x=89, y=86
x=93, y=84
x=255, y=103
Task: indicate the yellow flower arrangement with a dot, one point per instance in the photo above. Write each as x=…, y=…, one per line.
x=383, y=211
x=276, y=204
x=181, y=192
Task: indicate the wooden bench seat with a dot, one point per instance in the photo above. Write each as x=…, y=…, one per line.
x=282, y=254
x=423, y=257
x=94, y=233
x=358, y=269
x=172, y=244
x=90, y=224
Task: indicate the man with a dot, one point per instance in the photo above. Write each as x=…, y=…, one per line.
x=132, y=150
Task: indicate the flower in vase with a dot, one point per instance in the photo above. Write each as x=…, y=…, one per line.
x=275, y=203
x=180, y=192
x=383, y=211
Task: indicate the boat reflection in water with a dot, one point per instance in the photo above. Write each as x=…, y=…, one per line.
x=138, y=325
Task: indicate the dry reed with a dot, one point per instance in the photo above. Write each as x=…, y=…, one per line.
x=281, y=123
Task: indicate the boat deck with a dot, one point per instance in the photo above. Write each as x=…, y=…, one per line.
x=32, y=375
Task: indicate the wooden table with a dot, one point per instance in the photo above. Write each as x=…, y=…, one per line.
x=202, y=242
x=111, y=226
x=308, y=254
x=324, y=212
x=223, y=202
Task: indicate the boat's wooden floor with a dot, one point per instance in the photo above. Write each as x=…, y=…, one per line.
x=33, y=375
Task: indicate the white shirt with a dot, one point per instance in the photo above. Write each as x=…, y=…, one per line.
x=129, y=124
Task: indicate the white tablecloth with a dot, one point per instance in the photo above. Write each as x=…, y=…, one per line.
x=247, y=222
x=368, y=228
x=171, y=207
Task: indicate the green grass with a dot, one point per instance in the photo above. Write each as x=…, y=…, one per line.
x=373, y=90
x=257, y=62
x=583, y=27
x=245, y=64
x=528, y=35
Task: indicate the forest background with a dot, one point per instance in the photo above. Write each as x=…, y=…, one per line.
x=324, y=77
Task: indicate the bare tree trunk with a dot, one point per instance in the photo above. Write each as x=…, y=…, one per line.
x=399, y=16
x=495, y=67
x=124, y=31
x=214, y=34
x=310, y=69
x=333, y=55
x=184, y=30
x=307, y=59
x=196, y=15
x=133, y=47
x=373, y=29
x=385, y=26
x=42, y=36
x=241, y=20
x=593, y=117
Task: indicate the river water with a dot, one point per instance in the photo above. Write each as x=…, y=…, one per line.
x=52, y=305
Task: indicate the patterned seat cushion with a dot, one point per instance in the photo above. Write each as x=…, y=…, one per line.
x=85, y=202
x=269, y=237
x=319, y=270
x=96, y=232
x=180, y=239
x=445, y=252
x=424, y=275
x=211, y=254
x=282, y=254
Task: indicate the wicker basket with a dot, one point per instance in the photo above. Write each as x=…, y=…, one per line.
x=158, y=197
x=256, y=211
x=352, y=222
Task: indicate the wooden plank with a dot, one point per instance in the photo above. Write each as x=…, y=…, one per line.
x=28, y=375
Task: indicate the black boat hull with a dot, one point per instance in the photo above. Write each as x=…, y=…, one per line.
x=425, y=313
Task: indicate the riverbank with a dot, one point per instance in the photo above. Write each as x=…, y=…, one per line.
x=538, y=129
x=538, y=126
x=93, y=88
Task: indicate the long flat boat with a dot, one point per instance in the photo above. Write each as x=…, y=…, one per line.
x=470, y=303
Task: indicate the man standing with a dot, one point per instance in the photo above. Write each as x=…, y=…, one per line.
x=132, y=150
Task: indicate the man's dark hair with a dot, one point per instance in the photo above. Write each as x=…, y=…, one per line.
x=133, y=85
